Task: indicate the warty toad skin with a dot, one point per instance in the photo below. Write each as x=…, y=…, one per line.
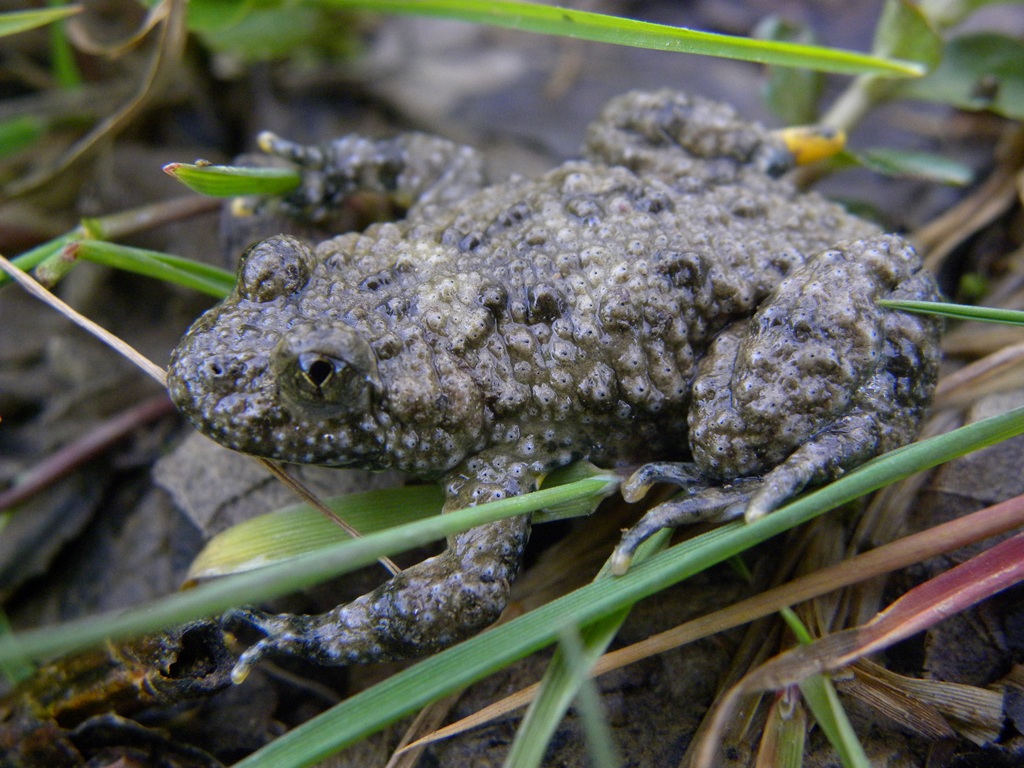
x=665, y=299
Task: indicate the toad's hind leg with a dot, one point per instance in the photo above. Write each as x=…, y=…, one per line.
x=818, y=381
x=423, y=609
x=667, y=133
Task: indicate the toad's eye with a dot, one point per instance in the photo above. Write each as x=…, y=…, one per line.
x=277, y=266
x=318, y=378
x=328, y=365
x=320, y=370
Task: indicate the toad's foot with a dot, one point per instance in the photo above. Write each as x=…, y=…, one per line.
x=409, y=169
x=697, y=502
x=824, y=456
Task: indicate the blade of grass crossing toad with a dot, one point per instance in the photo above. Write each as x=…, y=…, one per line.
x=298, y=529
x=280, y=578
x=553, y=20
x=578, y=470
x=413, y=688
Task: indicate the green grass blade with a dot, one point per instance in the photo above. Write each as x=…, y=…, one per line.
x=20, y=132
x=205, y=278
x=926, y=166
x=17, y=669
x=13, y=22
x=33, y=258
x=408, y=691
x=785, y=732
x=824, y=703
x=570, y=473
x=62, y=55
x=299, y=529
x=568, y=673
x=596, y=733
x=234, y=180
x=957, y=311
x=553, y=20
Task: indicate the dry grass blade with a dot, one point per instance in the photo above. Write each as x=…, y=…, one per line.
x=895, y=703
x=171, y=45
x=146, y=217
x=310, y=498
x=1000, y=567
x=782, y=744
x=976, y=713
x=885, y=559
x=86, y=42
x=73, y=455
x=80, y=320
x=410, y=749
x=1000, y=371
x=939, y=237
x=408, y=752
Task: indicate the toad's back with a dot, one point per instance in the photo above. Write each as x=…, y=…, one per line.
x=581, y=301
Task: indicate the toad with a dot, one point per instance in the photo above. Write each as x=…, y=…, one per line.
x=666, y=299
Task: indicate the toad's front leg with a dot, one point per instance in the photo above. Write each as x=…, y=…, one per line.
x=423, y=609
